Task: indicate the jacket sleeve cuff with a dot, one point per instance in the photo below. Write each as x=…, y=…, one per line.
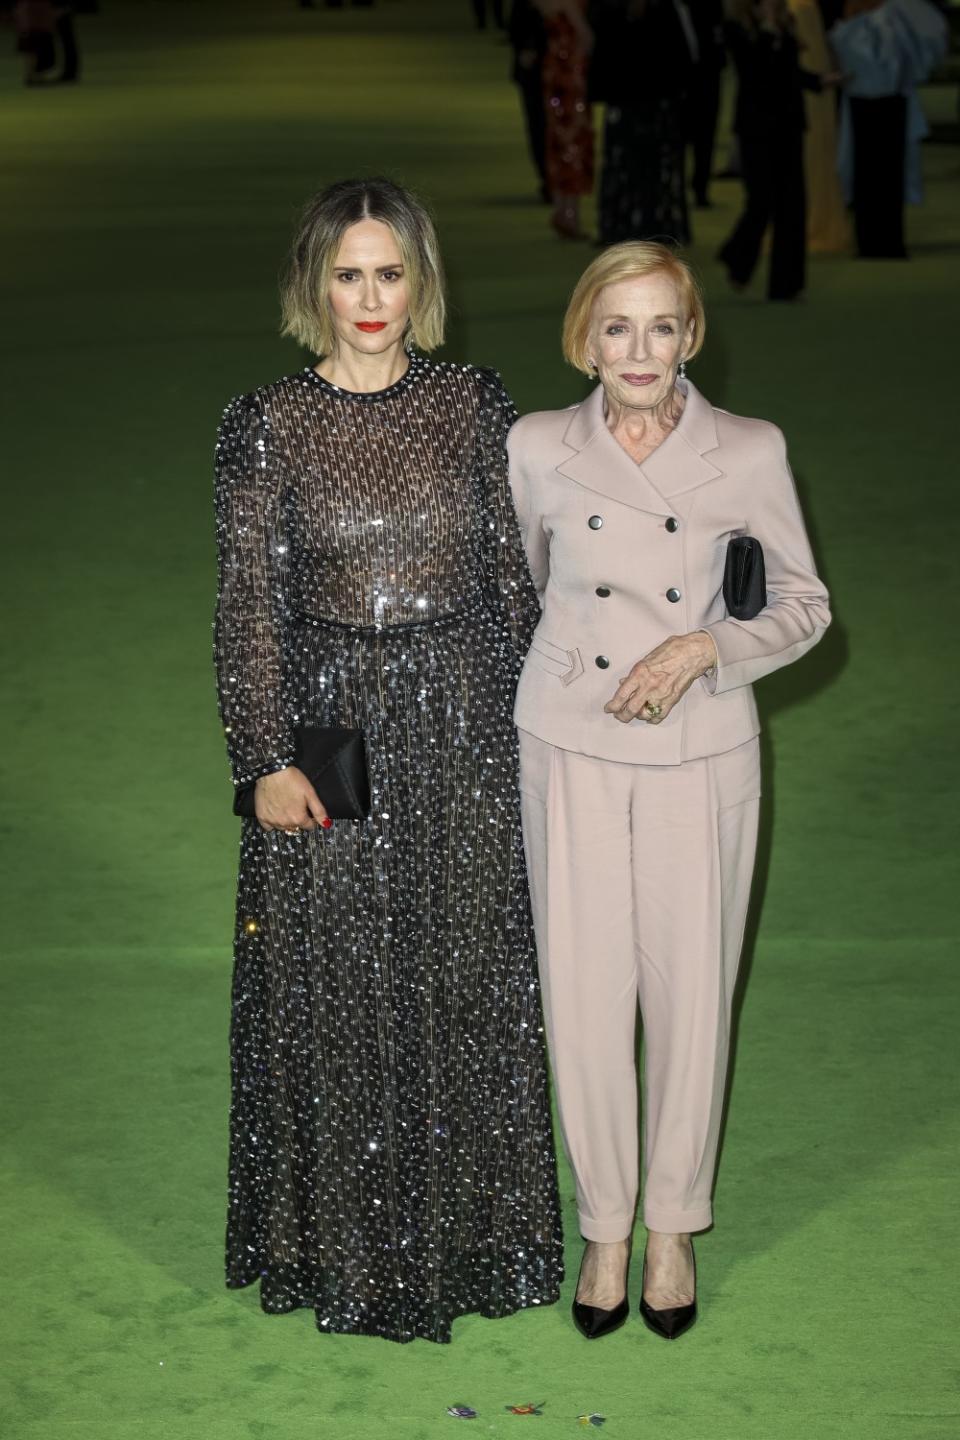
x=710, y=678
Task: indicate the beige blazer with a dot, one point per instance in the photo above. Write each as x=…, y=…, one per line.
x=624, y=555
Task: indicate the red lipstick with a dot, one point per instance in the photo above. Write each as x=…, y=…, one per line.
x=371, y=326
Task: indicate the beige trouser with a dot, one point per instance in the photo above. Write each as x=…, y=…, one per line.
x=640, y=878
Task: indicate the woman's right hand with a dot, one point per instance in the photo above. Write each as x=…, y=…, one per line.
x=286, y=800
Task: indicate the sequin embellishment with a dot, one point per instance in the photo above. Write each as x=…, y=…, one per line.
x=391, y=1160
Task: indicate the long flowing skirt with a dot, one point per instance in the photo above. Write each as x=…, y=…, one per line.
x=392, y=1160
x=569, y=126
x=643, y=194
x=828, y=225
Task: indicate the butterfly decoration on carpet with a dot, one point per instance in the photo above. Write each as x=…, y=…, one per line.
x=595, y=1420
x=525, y=1409
x=461, y=1412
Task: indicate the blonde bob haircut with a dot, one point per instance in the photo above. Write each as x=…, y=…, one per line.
x=306, y=281
x=629, y=261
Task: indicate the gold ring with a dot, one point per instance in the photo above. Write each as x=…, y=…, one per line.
x=653, y=709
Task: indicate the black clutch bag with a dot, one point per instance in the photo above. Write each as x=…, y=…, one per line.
x=335, y=763
x=744, y=578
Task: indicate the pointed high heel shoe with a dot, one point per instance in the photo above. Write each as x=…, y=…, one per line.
x=671, y=1323
x=593, y=1322
x=668, y=1323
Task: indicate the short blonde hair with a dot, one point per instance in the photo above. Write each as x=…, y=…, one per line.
x=326, y=218
x=629, y=261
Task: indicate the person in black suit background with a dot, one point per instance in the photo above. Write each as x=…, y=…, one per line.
x=528, y=40
x=704, y=96
x=643, y=67
x=769, y=122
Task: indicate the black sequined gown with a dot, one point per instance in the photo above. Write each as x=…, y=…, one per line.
x=392, y=1163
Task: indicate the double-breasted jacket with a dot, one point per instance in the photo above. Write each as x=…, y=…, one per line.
x=624, y=555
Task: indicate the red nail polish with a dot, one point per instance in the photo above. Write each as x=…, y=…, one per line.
x=327, y=823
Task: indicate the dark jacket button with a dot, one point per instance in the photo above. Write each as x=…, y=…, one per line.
x=672, y=525
x=603, y=591
x=595, y=522
x=673, y=595
x=602, y=662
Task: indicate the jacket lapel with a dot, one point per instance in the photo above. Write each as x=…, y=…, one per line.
x=601, y=464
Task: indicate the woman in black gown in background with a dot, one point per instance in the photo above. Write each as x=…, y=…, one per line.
x=643, y=69
x=392, y=1163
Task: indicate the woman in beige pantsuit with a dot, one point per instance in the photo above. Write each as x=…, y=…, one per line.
x=639, y=756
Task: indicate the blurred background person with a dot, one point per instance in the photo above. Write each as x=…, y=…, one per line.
x=45, y=34
x=67, y=42
x=569, y=127
x=885, y=51
x=528, y=39
x=828, y=224
x=34, y=23
x=770, y=123
x=480, y=8
x=643, y=69
x=703, y=99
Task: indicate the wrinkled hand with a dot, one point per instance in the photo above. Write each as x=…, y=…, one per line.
x=286, y=800
x=663, y=677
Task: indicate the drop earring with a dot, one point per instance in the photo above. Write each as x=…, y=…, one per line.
x=682, y=372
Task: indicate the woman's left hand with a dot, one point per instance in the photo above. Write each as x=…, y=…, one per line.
x=663, y=677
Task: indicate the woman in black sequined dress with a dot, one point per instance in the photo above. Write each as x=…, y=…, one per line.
x=392, y=1162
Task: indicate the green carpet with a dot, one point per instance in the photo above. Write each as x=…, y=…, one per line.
x=143, y=216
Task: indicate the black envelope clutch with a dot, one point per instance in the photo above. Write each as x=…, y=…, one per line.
x=335, y=763
x=744, y=578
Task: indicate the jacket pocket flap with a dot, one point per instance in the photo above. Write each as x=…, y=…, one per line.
x=565, y=664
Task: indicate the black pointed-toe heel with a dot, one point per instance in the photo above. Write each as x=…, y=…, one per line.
x=593, y=1322
x=669, y=1324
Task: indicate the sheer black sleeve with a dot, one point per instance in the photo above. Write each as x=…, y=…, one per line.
x=248, y=629
x=506, y=575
